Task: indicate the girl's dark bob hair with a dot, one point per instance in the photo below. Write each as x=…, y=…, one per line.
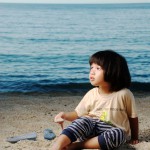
x=115, y=68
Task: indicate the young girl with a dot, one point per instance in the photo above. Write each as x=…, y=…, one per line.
x=106, y=115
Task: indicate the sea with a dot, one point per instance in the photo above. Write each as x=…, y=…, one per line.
x=46, y=47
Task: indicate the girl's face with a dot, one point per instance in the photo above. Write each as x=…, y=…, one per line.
x=96, y=75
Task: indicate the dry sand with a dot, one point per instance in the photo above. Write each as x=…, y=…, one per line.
x=20, y=114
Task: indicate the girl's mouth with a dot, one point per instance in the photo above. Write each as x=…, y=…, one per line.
x=91, y=78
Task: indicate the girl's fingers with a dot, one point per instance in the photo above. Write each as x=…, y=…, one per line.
x=58, y=120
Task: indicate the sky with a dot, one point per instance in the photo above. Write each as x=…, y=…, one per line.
x=75, y=1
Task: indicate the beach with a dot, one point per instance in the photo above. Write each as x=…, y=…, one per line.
x=25, y=113
x=44, y=55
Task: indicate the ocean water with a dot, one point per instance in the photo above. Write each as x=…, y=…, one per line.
x=46, y=47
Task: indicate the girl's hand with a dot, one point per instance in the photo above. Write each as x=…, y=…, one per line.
x=59, y=119
x=133, y=142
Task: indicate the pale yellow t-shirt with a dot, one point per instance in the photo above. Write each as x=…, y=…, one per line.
x=114, y=108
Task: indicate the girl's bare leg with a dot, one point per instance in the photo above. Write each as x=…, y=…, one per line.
x=88, y=144
x=61, y=142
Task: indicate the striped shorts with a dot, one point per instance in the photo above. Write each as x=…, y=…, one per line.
x=109, y=137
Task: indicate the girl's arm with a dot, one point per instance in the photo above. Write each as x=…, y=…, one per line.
x=134, y=125
x=70, y=116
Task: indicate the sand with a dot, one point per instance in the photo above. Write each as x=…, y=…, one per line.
x=24, y=113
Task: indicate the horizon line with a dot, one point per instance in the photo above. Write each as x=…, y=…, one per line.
x=73, y=3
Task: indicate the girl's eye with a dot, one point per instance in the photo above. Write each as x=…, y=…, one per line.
x=91, y=67
x=98, y=68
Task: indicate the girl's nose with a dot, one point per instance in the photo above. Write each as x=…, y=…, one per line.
x=92, y=72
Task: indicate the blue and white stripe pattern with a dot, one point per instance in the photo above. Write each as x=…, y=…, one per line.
x=109, y=137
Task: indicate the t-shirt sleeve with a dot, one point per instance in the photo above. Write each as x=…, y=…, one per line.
x=130, y=105
x=83, y=107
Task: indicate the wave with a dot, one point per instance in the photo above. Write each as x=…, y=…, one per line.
x=64, y=88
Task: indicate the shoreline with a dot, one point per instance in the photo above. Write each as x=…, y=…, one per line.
x=69, y=88
x=24, y=113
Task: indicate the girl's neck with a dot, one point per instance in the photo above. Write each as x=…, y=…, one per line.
x=104, y=90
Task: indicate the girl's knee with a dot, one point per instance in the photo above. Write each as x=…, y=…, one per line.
x=112, y=138
x=80, y=128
